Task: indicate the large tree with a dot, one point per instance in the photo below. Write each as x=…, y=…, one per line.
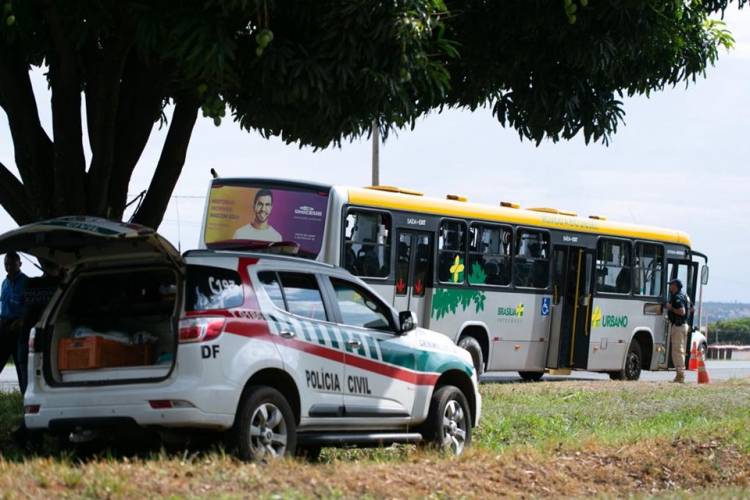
x=314, y=73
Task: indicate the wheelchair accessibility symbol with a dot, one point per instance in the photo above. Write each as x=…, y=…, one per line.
x=546, y=302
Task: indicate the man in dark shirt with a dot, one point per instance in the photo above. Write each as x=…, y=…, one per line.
x=12, y=308
x=37, y=294
x=677, y=310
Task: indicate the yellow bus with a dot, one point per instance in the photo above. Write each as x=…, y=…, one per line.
x=522, y=289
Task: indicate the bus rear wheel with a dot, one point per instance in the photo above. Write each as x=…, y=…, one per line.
x=633, y=364
x=531, y=376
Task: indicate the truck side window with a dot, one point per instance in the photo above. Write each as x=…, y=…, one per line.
x=360, y=308
x=272, y=286
x=210, y=287
x=303, y=296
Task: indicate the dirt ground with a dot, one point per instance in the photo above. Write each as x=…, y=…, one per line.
x=646, y=468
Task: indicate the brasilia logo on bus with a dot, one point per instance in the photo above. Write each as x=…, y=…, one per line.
x=516, y=312
x=600, y=320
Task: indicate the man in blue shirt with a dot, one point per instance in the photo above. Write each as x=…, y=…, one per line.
x=12, y=310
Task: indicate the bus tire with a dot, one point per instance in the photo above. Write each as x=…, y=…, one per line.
x=265, y=428
x=472, y=345
x=448, y=424
x=633, y=364
x=531, y=376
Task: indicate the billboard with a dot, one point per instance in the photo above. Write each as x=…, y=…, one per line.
x=255, y=216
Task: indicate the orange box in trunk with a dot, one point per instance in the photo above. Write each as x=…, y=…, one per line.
x=89, y=353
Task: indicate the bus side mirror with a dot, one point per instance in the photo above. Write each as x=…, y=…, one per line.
x=407, y=321
x=704, y=275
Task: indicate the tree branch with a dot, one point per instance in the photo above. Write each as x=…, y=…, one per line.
x=170, y=163
x=102, y=98
x=32, y=147
x=70, y=163
x=13, y=197
x=141, y=96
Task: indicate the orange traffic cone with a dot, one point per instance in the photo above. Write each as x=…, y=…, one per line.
x=702, y=372
x=693, y=363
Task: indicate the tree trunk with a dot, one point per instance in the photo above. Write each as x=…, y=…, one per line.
x=32, y=147
x=141, y=98
x=105, y=71
x=69, y=163
x=171, y=161
x=13, y=197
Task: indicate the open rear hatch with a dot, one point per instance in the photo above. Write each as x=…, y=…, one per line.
x=114, y=319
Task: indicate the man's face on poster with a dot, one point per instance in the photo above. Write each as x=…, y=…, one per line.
x=263, y=207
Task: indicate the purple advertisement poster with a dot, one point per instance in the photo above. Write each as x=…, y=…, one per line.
x=239, y=214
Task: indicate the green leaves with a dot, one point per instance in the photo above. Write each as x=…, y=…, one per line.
x=331, y=67
x=549, y=79
x=10, y=18
x=570, y=10
x=719, y=34
x=213, y=107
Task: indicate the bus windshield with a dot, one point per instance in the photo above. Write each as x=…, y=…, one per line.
x=256, y=216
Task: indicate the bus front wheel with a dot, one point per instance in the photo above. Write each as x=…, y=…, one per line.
x=472, y=345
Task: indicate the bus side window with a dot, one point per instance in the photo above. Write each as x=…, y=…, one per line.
x=613, y=266
x=367, y=244
x=649, y=260
x=531, y=263
x=451, y=249
x=489, y=255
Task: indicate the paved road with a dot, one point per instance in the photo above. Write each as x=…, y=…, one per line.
x=718, y=370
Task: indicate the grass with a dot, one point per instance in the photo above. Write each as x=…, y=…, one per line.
x=572, y=438
x=548, y=415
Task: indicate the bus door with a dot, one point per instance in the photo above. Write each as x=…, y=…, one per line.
x=414, y=273
x=686, y=271
x=571, y=307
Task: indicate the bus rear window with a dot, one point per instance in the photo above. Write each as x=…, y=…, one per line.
x=254, y=217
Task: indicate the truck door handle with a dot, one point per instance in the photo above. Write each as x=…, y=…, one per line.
x=354, y=344
x=286, y=334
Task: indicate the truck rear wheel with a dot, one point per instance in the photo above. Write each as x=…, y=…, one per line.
x=265, y=427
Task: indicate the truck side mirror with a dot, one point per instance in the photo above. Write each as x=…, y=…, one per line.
x=407, y=321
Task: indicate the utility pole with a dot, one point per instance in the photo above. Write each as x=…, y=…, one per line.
x=375, y=154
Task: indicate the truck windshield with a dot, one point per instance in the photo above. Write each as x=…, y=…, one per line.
x=245, y=216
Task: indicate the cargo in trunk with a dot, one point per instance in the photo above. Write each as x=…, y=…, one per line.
x=114, y=323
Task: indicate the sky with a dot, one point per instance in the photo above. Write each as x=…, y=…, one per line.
x=680, y=161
